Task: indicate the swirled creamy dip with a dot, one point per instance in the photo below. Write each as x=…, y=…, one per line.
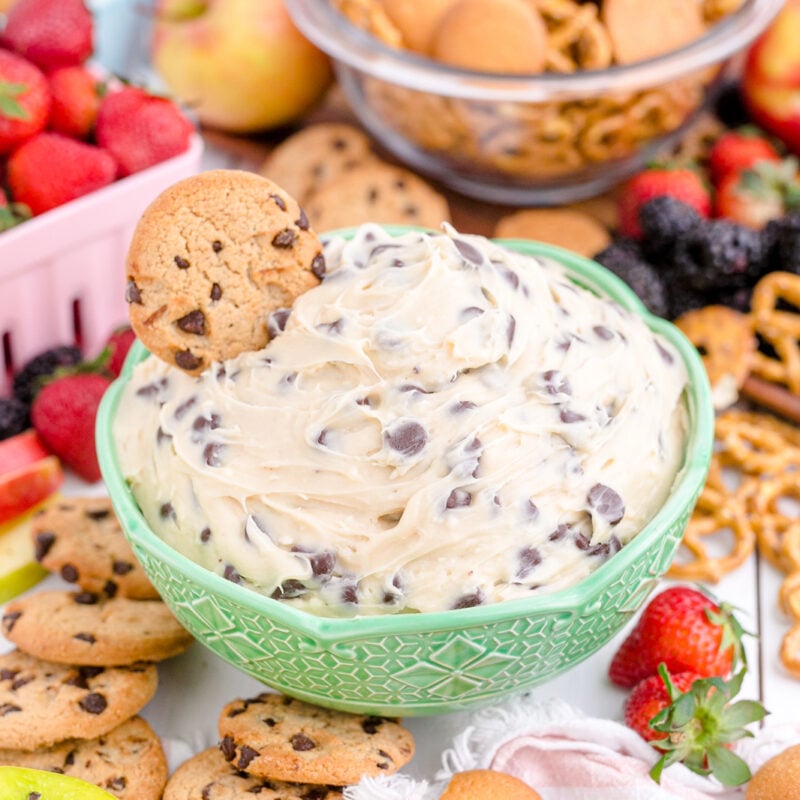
x=441, y=423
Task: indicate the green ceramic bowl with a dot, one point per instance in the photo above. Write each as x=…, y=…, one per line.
x=430, y=663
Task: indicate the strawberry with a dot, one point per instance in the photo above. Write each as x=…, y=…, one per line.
x=686, y=630
x=737, y=150
x=758, y=194
x=682, y=183
x=49, y=33
x=119, y=343
x=650, y=697
x=140, y=129
x=694, y=722
x=24, y=100
x=76, y=101
x=51, y=169
x=63, y=414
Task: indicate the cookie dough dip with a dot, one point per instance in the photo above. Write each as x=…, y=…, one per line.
x=441, y=423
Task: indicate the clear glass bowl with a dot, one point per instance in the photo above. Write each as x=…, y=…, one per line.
x=544, y=139
x=427, y=663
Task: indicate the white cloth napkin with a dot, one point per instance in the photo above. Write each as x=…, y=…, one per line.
x=566, y=755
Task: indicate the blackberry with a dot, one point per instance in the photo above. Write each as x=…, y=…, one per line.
x=13, y=417
x=667, y=225
x=683, y=298
x=45, y=364
x=782, y=243
x=738, y=299
x=769, y=243
x=625, y=259
x=729, y=107
x=687, y=270
x=728, y=256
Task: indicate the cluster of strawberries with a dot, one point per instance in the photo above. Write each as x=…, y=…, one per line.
x=704, y=233
x=684, y=663
x=65, y=130
x=746, y=181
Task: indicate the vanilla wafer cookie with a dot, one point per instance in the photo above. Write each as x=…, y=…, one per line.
x=564, y=227
x=639, y=31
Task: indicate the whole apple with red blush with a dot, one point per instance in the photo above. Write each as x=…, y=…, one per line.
x=240, y=65
x=771, y=77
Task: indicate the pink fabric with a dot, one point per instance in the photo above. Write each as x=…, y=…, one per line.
x=566, y=755
x=592, y=759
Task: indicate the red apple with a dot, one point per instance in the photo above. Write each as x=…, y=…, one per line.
x=771, y=77
x=21, y=450
x=240, y=65
x=28, y=485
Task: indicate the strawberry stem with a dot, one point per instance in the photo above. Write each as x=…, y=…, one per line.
x=9, y=106
x=13, y=214
x=700, y=723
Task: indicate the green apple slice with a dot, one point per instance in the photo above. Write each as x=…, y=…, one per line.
x=19, y=569
x=22, y=783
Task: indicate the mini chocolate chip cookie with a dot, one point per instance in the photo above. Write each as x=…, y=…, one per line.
x=377, y=192
x=316, y=155
x=210, y=258
x=81, y=539
x=42, y=703
x=82, y=628
x=128, y=761
x=209, y=776
x=278, y=738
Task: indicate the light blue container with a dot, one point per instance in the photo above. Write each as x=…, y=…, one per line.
x=122, y=36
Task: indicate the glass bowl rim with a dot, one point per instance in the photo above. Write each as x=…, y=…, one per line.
x=333, y=33
x=567, y=601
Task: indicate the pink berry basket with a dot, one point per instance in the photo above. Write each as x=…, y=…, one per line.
x=62, y=274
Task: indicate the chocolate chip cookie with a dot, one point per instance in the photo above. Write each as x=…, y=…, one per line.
x=81, y=539
x=82, y=628
x=377, y=192
x=210, y=258
x=314, y=156
x=42, y=703
x=128, y=761
x=210, y=776
x=278, y=738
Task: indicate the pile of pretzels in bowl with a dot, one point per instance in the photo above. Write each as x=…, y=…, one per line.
x=529, y=101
